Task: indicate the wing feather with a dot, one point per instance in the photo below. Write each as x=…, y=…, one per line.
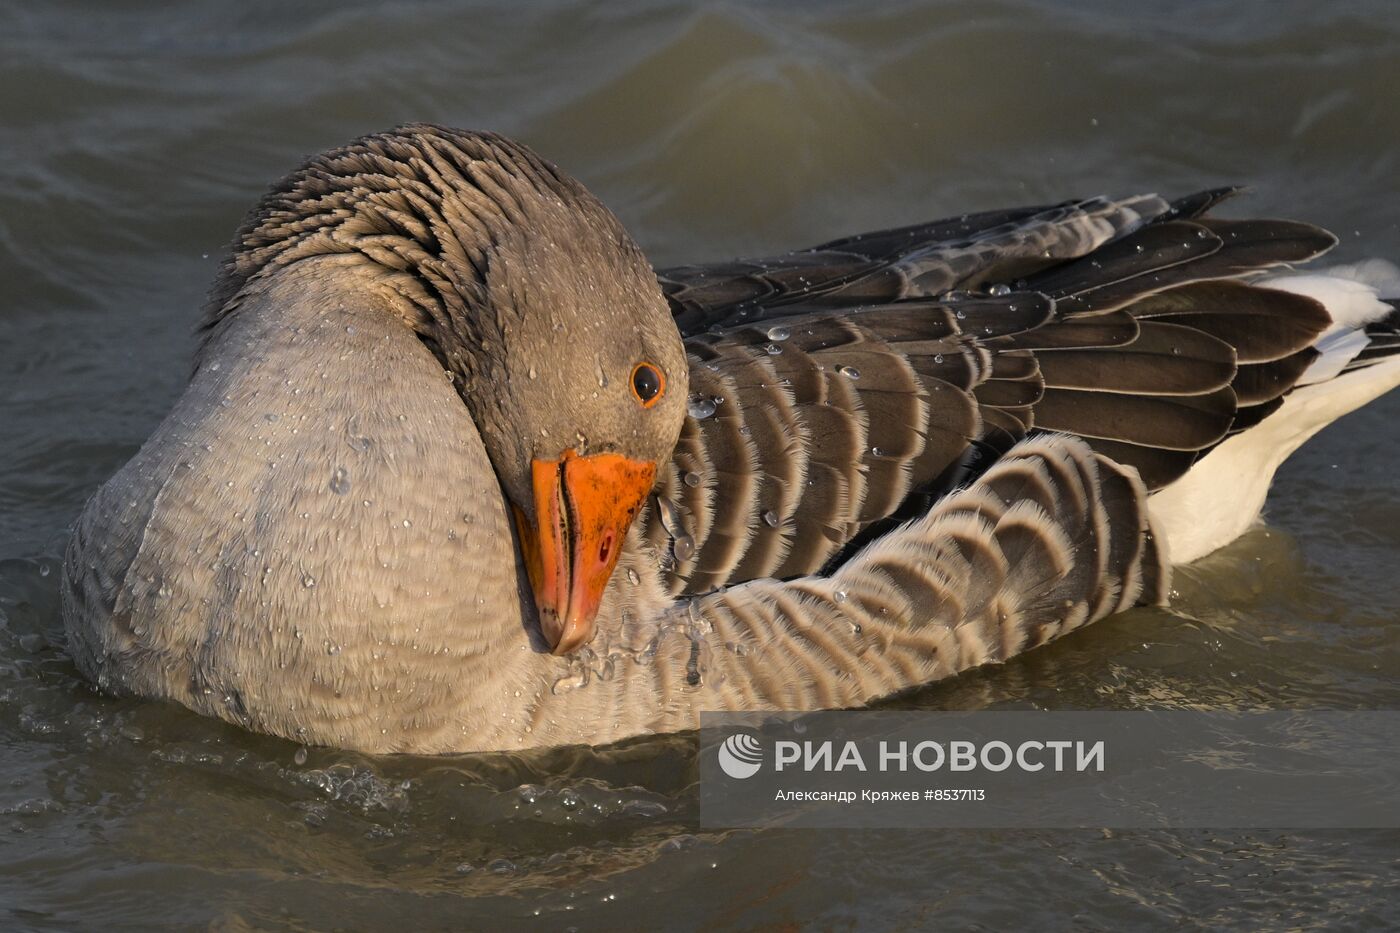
x=865, y=379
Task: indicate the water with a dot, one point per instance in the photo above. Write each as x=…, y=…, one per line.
x=137, y=134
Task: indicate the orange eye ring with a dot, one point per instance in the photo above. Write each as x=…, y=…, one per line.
x=648, y=384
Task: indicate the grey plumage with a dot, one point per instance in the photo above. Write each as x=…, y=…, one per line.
x=872, y=488
x=1051, y=538
x=1119, y=329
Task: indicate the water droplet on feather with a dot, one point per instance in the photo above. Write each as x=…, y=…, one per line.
x=701, y=408
x=683, y=547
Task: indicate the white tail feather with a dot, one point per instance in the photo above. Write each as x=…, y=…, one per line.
x=1223, y=495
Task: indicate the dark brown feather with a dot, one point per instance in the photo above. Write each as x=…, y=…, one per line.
x=866, y=378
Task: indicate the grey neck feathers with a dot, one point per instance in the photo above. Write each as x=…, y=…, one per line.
x=439, y=213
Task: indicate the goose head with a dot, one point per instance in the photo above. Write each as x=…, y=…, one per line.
x=541, y=308
x=579, y=403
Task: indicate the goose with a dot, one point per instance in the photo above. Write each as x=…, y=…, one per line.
x=457, y=470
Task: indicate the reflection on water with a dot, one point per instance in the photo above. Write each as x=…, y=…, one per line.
x=136, y=135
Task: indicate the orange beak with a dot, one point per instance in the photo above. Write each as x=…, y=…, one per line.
x=583, y=507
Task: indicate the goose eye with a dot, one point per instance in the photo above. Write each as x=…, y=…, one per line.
x=648, y=384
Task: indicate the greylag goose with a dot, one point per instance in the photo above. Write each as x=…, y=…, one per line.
x=457, y=470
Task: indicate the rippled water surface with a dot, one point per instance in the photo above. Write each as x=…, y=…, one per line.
x=134, y=135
